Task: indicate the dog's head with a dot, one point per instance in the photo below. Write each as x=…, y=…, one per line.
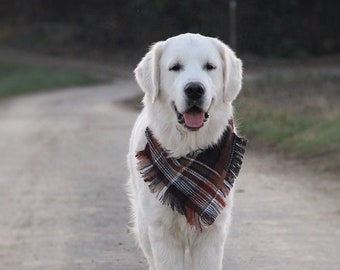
x=193, y=76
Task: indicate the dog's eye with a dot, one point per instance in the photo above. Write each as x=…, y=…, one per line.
x=176, y=67
x=208, y=66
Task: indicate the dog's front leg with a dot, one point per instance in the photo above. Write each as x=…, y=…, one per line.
x=208, y=249
x=167, y=248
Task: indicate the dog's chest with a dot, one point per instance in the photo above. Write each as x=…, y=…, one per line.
x=177, y=224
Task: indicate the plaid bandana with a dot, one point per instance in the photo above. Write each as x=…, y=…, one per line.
x=195, y=185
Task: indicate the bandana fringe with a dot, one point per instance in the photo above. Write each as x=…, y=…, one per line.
x=236, y=160
x=187, y=184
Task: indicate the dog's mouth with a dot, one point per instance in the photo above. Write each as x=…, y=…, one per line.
x=193, y=118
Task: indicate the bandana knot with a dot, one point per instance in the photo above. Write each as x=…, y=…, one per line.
x=195, y=185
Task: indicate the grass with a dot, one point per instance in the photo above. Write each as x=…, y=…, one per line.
x=18, y=78
x=296, y=114
x=301, y=133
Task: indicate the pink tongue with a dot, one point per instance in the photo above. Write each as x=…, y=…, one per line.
x=194, y=120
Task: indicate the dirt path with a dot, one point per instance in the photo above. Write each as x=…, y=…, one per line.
x=63, y=205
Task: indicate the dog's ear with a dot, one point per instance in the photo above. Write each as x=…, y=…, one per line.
x=147, y=71
x=232, y=72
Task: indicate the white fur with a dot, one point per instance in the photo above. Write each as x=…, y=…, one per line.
x=165, y=237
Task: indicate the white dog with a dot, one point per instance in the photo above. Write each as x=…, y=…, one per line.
x=189, y=82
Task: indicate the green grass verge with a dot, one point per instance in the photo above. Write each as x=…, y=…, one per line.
x=18, y=78
x=304, y=134
x=295, y=114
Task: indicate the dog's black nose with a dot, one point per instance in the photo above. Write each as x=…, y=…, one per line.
x=194, y=90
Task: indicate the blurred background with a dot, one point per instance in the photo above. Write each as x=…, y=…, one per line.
x=293, y=28
x=290, y=50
